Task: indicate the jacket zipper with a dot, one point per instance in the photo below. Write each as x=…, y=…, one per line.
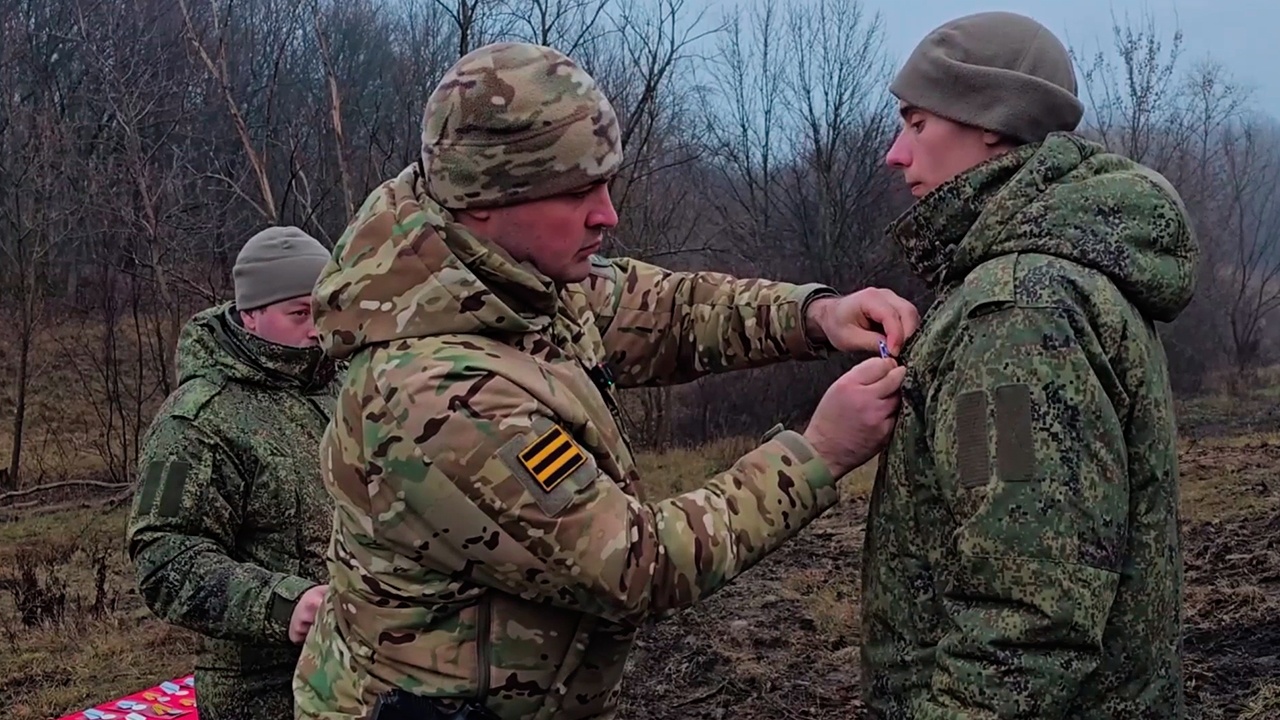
x=318, y=410
x=602, y=378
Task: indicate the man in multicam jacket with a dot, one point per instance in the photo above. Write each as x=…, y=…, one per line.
x=230, y=519
x=490, y=553
x=1022, y=548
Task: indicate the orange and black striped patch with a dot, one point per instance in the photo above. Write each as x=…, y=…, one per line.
x=552, y=457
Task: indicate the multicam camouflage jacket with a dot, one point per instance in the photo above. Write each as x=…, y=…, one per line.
x=1022, y=547
x=230, y=519
x=489, y=542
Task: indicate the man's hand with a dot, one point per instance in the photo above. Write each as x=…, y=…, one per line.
x=304, y=613
x=855, y=416
x=857, y=322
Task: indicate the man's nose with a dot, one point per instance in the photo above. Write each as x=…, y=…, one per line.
x=899, y=155
x=602, y=215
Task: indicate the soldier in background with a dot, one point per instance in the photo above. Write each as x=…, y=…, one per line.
x=230, y=519
x=1022, y=552
x=491, y=558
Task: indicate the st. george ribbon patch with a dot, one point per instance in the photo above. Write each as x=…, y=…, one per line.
x=552, y=457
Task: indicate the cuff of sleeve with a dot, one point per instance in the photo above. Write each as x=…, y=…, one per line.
x=801, y=345
x=284, y=598
x=802, y=460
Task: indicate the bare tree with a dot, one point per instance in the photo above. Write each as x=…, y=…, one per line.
x=35, y=213
x=1135, y=97
x=31, y=229
x=802, y=180
x=1252, y=228
x=795, y=119
x=335, y=101
x=216, y=61
x=567, y=25
x=142, y=141
x=475, y=23
x=141, y=104
x=837, y=189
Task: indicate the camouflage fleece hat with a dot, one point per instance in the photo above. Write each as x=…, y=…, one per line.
x=513, y=122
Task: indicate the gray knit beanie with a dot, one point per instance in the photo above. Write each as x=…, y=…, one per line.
x=998, y=71
x=277, y=264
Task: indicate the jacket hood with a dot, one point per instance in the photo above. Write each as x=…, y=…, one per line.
x=1066, y=197
x=213, y=345
x=405, y=269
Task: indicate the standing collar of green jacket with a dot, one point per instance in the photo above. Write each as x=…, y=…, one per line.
x=1067, y=198
x=216, y=346
x=931, y=230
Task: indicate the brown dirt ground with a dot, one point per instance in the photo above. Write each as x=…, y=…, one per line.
x=780, y=642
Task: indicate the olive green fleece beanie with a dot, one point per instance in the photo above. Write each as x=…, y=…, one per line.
x=998, y=71
x=277, y=264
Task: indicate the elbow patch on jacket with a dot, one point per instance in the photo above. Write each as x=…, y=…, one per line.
x=549, y=464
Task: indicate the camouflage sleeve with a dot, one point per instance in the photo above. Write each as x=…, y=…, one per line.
x=500, y=493
x=182, y=527
x=663, y=327
x=1033, y=464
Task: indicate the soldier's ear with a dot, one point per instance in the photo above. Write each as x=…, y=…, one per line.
x=995, y=140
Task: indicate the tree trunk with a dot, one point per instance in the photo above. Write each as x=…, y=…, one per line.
x=10, y=481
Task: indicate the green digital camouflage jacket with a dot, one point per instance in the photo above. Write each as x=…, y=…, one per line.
x=230, y=519
x=489, y=539
x=1022, y=547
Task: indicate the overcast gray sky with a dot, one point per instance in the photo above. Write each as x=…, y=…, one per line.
x=1241, y=34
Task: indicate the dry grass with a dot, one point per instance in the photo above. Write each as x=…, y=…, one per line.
x=71, y=431
x=676, y=471
x=93, y=639
x=1225, y=479
x=670, y=473
x=1265, y=705
x=782, y=640
x=97, y=641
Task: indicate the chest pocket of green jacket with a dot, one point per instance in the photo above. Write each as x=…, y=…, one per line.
x=269, y=515
x=285, y=511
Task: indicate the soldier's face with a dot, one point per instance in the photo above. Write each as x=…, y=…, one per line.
x=557, y=235
x=930, y=150
x=287, y=322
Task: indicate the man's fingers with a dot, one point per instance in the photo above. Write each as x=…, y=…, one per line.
x=896, y=315
x=852, y=337
x=871, y=370
x=889, y=385
x=909, y=316
x=900, y=320
x=893, y=335
x=886, y=316
x=885, y=312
